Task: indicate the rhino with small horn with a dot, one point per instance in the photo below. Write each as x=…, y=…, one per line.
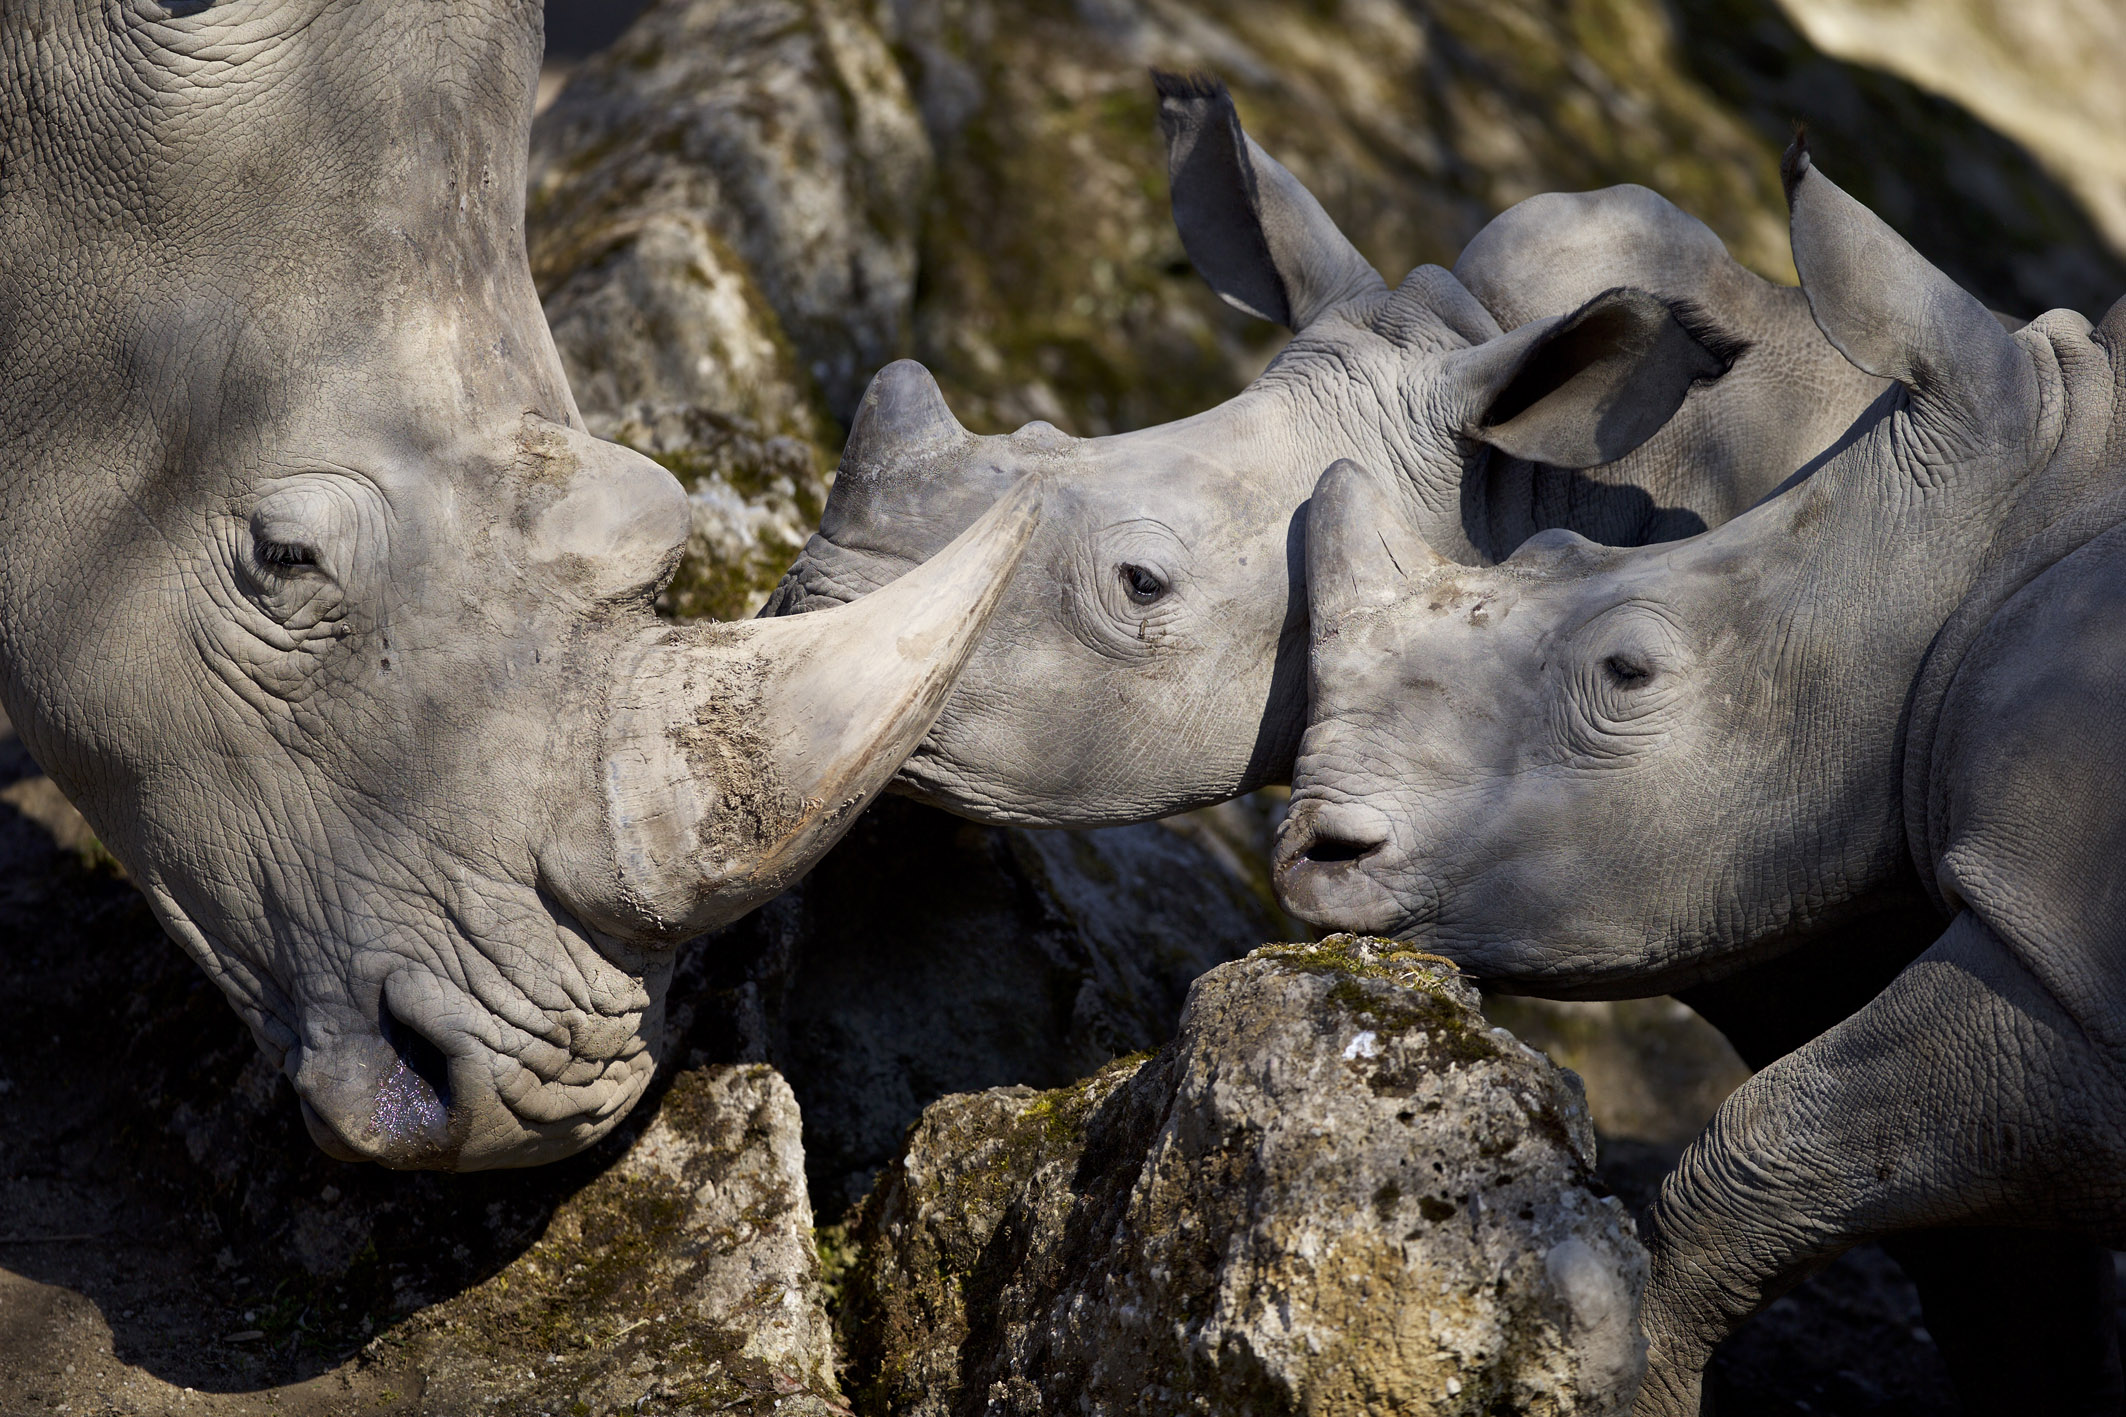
x=1150, y=657
x=320, y=604
x=1598, y=772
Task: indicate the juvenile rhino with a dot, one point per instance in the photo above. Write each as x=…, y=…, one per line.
x=1599, y=772
x=1150, y=656
x=320, y=604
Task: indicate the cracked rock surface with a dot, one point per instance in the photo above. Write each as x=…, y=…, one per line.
x=1339, y=1190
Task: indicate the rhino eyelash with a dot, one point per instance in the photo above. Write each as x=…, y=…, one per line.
x=286, y=555
x=1626, y=673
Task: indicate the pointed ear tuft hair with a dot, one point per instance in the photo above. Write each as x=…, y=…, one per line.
x=1258, y=236
x=1189, y=86
x=1723, y=344
x=1794, y=162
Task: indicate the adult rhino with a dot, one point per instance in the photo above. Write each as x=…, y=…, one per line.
x=1596, y=772
x=1151, y=656
x=319, y=603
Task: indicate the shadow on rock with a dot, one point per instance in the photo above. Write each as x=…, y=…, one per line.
x=928, y=955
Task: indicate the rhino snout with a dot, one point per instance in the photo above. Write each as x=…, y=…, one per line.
x=1327, y=867
x=434, y=1077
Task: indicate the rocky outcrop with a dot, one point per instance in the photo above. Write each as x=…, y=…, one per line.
x=722, y=218
x=683, y=1278
x=1337, y=1191
x=928, y=955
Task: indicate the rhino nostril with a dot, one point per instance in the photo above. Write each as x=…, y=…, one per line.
x=1329, y=850
x=418, y=1090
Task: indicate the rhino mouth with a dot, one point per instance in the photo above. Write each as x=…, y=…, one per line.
x=448, y=1060
x=437, y=1077
x=417, y=1092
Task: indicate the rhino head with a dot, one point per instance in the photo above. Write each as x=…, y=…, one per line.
x=320, y=604
x=1150, y=657
x=1598, y=771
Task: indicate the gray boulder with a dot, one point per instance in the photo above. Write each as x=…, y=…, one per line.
x=1338, y=1191
x=721, y=219
x=788, y=130
x=682, y=1279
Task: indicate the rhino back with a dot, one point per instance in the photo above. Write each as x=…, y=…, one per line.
x=1785, y=398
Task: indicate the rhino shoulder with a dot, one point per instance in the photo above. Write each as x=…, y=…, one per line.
x=2025, y=807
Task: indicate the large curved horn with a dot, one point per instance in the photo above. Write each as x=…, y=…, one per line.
x=739, y=753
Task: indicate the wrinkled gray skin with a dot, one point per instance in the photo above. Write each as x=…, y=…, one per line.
x=1603, y=772
x=319, y=603
x=1151, y=656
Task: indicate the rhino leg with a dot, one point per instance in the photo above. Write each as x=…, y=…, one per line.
x=1962, y=1095
x=2024, y=1320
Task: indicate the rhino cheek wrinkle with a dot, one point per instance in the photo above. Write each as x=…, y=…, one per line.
x=1595, y=360
x=320, y=604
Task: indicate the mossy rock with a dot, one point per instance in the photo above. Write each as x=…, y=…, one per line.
x=1338, y=1191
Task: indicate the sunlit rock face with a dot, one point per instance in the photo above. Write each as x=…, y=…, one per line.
x=722, y=215
x=1339, y=1191
x=2051, y=74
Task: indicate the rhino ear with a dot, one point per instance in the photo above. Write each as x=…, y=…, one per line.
x=1553, y=251
x=1886, y=308
x=1258, y=237
x=1589, y=387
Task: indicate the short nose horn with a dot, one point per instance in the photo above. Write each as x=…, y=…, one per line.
x=903, y=418
x=1361, y=549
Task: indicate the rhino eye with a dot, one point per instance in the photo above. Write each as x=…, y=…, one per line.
x=1142, y=585
x=1627, y=671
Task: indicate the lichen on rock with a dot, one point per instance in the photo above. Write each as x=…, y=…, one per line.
x=682, y=1279
x=1337, y=1191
